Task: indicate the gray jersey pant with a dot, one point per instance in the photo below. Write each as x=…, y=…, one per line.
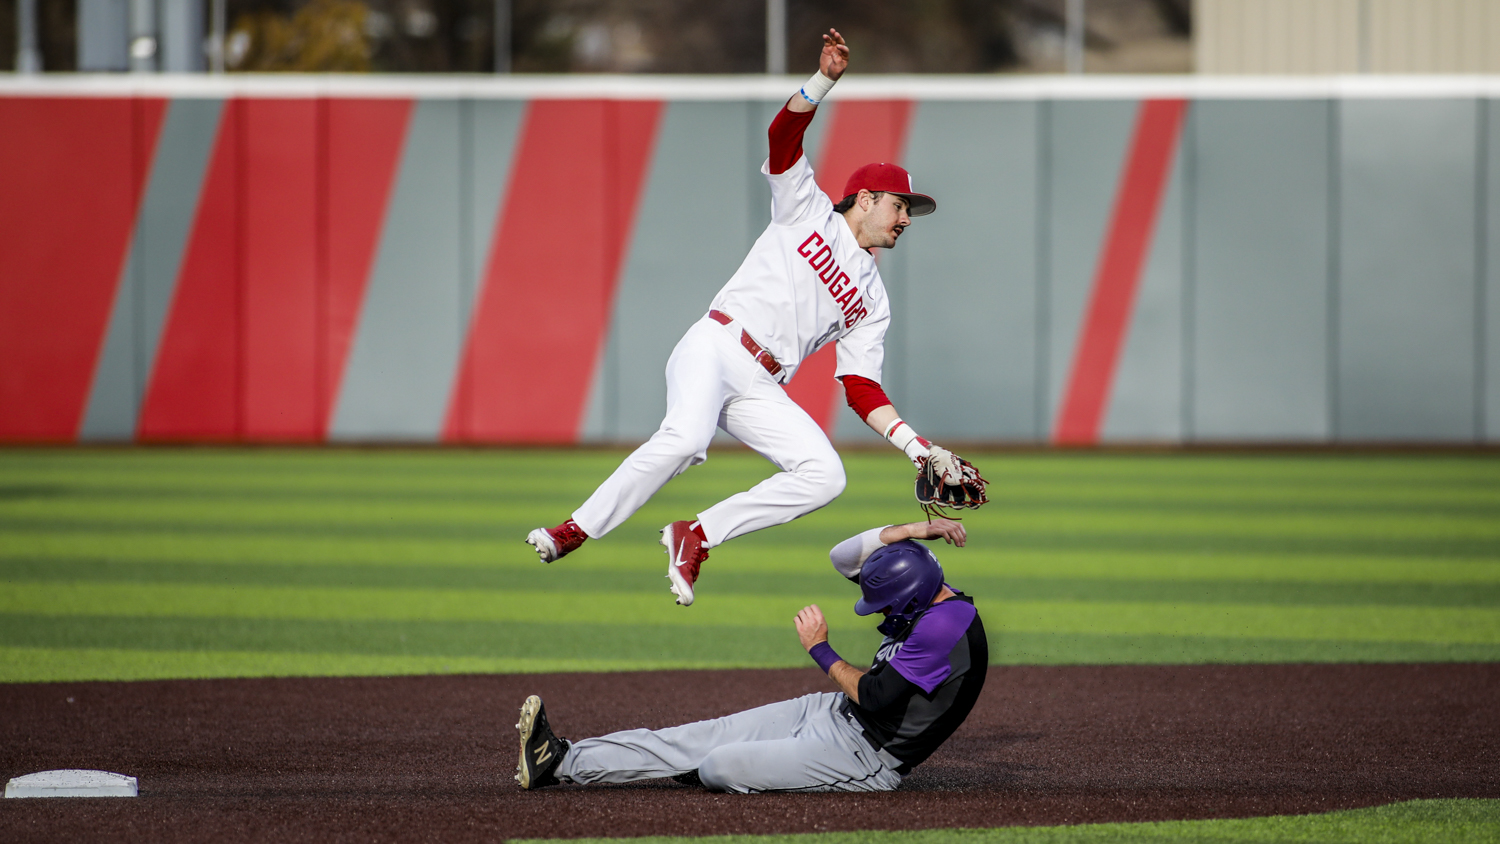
x=803, y=744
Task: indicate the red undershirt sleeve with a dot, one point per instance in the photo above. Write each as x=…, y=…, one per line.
x=786, y=138
x=863, y=395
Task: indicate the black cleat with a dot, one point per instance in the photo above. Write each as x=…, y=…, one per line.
x=689, y=778
x=541, y=751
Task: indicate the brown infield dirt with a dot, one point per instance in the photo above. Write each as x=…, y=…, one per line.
x=432, y=758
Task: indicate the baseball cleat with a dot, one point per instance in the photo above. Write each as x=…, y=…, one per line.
x=541, y=751
x=552, y=543
x=685, y=554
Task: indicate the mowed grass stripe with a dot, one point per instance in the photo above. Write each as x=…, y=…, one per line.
x=1057, y=539
x=1412, y=822
x=175, y=600
x=1180, y=500
x=45, y=665
x=614, y=644
x=618, y=646
x=815, y=580
x=619, y=554
x=182, y=511
x=1459, y=625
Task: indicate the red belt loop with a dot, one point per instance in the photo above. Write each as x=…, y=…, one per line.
x=763, y=357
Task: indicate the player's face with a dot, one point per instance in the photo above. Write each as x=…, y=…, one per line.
x=885, y=222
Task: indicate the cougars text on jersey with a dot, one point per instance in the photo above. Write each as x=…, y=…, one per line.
x=845, y=293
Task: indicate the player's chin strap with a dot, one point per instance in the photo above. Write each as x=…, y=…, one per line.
x=817, y=88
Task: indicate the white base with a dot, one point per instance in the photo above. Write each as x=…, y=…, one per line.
x=72, y=783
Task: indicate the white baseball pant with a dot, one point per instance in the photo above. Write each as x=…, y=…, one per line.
x=803, y=744
x=712, y=380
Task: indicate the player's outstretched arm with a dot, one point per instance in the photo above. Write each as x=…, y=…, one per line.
x=943, y=478
x=849, y=556
x=947, y=530
x=790, y=124
x=831, y=65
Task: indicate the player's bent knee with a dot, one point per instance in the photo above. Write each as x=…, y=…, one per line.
x=688, y=447
x=828, y=478
x=719, y=772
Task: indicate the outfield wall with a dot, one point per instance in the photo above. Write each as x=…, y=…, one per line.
x=511, y=261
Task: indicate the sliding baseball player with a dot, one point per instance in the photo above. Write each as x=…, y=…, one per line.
x=808, y=281
x=869, y=734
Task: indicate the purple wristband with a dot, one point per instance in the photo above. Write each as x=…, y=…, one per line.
x=823, y=654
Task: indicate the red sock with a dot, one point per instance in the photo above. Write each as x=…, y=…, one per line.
x=697, y=527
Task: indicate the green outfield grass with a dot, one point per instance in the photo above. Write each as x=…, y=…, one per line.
x=1415, y=822
x=156, y=563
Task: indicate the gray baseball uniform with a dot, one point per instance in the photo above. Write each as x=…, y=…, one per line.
x=920, y=688
x=803, y=744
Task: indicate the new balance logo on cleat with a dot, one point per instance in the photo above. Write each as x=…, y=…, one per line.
x=541, y=751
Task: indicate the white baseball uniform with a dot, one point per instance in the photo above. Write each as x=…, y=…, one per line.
x=805, y=283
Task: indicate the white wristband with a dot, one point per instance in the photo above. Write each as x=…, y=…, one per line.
x=816, y=88
x=903, y=437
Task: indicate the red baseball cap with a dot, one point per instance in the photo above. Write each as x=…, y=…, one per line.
x=890, y=179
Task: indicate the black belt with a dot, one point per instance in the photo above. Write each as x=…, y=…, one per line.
x=847, y=710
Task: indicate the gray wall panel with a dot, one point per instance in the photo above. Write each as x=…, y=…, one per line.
x=492, y=129
x=1088, y=142
x=690, y=237
x=1406, y=291
x=1145, y=404
x=971, y=303
x=405, y=354
x=149, y=277
x=1490, y=293
x=1260, y=276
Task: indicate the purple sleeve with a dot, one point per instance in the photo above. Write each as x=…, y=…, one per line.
x=923, y=658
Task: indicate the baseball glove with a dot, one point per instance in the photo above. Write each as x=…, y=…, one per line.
x=946, y=481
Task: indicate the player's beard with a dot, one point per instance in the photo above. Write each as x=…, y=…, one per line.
x=880, y=236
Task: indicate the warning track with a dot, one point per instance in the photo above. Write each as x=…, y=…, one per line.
x=418, y=758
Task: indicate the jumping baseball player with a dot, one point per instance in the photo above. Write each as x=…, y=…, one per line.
x=865, y=737
x=809, y=280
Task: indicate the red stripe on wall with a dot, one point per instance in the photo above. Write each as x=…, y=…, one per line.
x=279, y=372
x=861, y=132
x=361, y=156
x=555, y=259
x=195, y=384
x=1122, y=259
x=275, y=269
x=72, y=172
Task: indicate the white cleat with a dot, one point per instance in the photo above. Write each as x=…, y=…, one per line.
x=685, y=554
x=553, y=543
x=541, y=540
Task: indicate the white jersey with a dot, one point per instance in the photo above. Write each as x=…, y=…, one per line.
x=807, y=283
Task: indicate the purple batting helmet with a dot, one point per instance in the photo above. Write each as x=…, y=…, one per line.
x=902, y=577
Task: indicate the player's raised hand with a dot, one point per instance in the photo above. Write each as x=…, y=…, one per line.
x=948, y=530
x=835, y=58
x=811, y=628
